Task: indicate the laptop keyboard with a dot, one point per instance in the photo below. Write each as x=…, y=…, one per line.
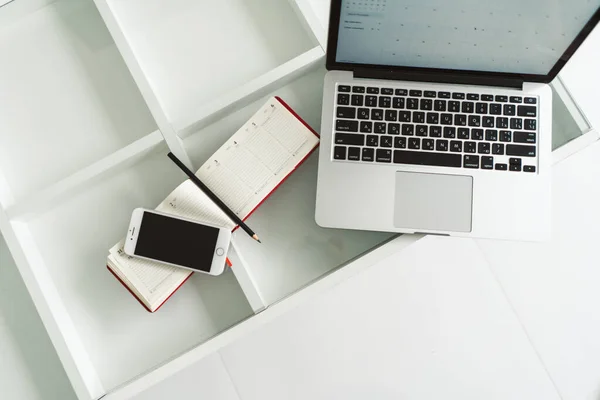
x=436, y=128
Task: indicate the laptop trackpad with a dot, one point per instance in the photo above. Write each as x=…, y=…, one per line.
x=433, y=202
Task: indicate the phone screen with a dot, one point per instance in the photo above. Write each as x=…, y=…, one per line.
x=177, y=242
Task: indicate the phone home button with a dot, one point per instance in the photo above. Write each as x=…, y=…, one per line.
x=220, y=251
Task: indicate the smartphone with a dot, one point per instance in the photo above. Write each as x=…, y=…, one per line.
x=177, y=241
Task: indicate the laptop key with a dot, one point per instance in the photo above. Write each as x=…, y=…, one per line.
x=456, y=146
x=470, y=147
x=472, y=96
x=380, y=127
x=509, y=109
x=384, y=156
x=377, y=114
x=491, y=135
x=385, y=102
x=350, y=139
x=426, y=104
x=460, y=120
x=458, y=96
x=387, y=91
x=435, y=131
x=357, y=100
x=366, y=127
x=394, y=129
x=519, y=150
x=527, y=111
x=354, y=153
x=488, y=122
x=427, y=158
x=530, y=100
x=372, y=141
x=496, y=109
x=439, y=105
x=358, y=89
x=529, y=168
x=501, y=167
x=433, y=118
x=502, y=99
x=400, y=142
x=450, y=132
x=428, y=144
x=464, y=133
x=506, y=136
x=363, y=113
x=416, y=93
x=474, y=120
x=346, y=112
x=344, y=88
x=368, y=154
x=516, y=99
x=414, y=143
x=530, y=125
x=339, y=153
x=498, y=149
x=484, y=148
x=454, y=106
x=441, y=145
x=419, y=117
x=444, y=95
x=446, y=119
x=412, y=103
x=408, y=130
x=468, y=107
x=487, y=162
x=399, y=102
x=386, y=141
x=502, y=122
x=481, y=108
x=487, y=97
x=404, y=116
x=343, y=99
x=371, y=101
x=373, y=90
x=422, y=130
x=476, y=134
x=391, y=115
x=346, y=126
x=401, y=92
x=430, y=94
x=471, y=161
x=516, y=123
x=514, y=164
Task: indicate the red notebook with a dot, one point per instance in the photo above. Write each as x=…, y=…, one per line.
x=250, y=166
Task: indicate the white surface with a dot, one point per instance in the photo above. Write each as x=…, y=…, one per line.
x=29, y=366
x=65, y=91
x=580, y=75
x=423, y=324
x=179, y=45
x=207, y=379
x=554, y=286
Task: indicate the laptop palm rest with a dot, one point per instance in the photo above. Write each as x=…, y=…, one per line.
x=433, y=202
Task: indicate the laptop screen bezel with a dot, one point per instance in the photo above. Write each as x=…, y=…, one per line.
x=332, y=64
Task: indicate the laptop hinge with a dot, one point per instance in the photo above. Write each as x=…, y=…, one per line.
x=436, y=77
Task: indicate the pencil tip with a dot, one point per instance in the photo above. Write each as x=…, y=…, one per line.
x=255, y=237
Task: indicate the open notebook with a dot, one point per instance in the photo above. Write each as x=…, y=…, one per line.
x=243, y=173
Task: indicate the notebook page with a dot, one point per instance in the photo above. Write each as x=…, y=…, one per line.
x=154, y=280
x=258, y=157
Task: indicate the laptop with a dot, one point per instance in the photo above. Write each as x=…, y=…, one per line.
x=437, y=115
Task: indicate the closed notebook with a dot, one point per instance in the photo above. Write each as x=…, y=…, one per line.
x=242, y=173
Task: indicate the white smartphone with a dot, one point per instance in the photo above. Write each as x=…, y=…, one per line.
x=177, y=241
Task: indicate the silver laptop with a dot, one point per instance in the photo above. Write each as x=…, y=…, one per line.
x=437, y=115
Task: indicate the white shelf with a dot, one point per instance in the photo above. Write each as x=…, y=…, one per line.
x=67, y=98
x=189, y=52
x=121, y=339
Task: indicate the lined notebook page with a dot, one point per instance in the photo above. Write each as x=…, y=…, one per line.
x=257, y=157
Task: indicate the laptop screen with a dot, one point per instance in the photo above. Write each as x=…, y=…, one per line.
x=510, y=36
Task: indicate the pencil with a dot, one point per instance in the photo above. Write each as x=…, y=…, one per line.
x=214, y=197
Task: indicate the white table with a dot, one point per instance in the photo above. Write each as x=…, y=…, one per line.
x=222, y=383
